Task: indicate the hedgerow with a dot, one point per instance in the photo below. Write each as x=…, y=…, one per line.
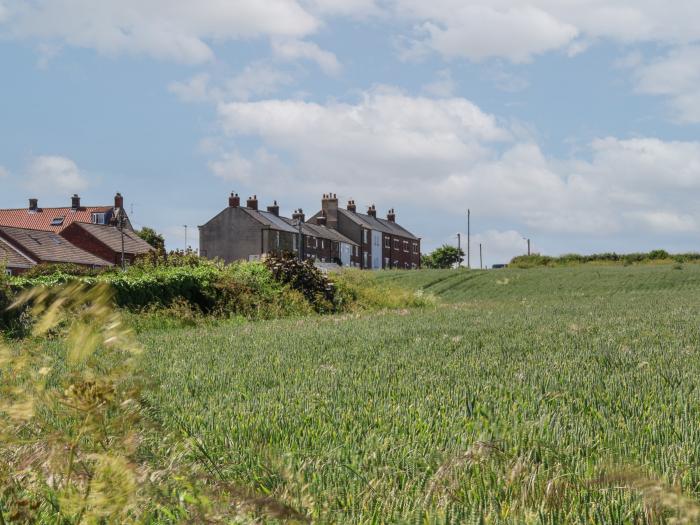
x=654, y=256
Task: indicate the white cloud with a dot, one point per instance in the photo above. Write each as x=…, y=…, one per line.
x=232, y=166
x=677, y=76
x=355, y=8
x=292, y=50
x=4, y=172
x=442, y=153
x=195, y=89
x=518, y=30
x=177, y=30
x=55, y=174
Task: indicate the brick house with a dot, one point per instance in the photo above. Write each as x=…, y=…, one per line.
x=56, y=219
x=247, y=233
x=383, y=242
x=39, y=246
x=12, y=260
x=106, y=241
x=325, y=244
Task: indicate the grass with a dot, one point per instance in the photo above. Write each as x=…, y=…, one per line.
x=552, y=395
x=543, y=396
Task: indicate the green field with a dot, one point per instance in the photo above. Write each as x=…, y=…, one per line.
x=562, y=395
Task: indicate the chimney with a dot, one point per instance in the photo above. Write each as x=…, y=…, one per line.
x=75, y=202
x=351, y=206
x=298, y=215
x=33, y=204
x=274, y=208
x=329, y=205
x=118, y=201
x=372, y=211
x=234, y=201
x=391, y=216
x=252, y=202
x=321, y=220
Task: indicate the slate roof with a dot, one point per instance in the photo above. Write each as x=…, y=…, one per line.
x=12, y=258
x=41, y=218
x=322, y=232
x=45, y=246
x=271, y=220
x=111, y=237
x=373, y=223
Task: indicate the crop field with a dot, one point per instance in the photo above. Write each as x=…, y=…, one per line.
x=562, y=395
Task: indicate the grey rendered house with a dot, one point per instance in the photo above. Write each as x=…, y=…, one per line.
x=246, y=233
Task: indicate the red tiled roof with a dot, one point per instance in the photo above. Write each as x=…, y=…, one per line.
x=45, y=246
x=41, y=218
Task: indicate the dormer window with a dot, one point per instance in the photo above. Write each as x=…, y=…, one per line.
x=57, y=221
x=98, y=218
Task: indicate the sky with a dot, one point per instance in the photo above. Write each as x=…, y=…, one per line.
x=570, y=122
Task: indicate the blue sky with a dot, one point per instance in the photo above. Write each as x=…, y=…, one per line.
x=572, y=122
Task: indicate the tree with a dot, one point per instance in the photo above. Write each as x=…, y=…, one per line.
x=152, y=237
x=444, y=257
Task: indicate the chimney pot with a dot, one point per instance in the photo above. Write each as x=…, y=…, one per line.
x=351, y=206
x=391, y=216
x=118, y=200
x=33, y=204
x=372, y=211
x=298, y=215
x=252, y=202
x=234, y=201
x=275, y=209
x=75, y=201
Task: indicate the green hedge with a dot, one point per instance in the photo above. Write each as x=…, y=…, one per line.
x=536, y=260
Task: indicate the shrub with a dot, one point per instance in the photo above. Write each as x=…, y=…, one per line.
x=305, y=278
x=48, y=269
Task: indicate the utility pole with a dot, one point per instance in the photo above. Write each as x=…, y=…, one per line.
x=481, y=259
x=459, y=250
x=528, y=245
x=469, y=236
x=185, y=226
x=121, y=230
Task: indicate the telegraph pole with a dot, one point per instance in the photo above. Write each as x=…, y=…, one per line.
x=469, y=235
x=481, y=260
x=185, y=226
x=528, y=245
x=459, y=250
x=121, y=230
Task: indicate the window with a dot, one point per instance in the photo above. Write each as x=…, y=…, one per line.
x=98, y=218
x=415, y=247
x=364, y=236
x=405, y=246
x=322, y=244
x=365, y=259
x=386, y=262
x=277, y=240
x=8, y=271
x=387, y=242
x=57, y=221
x=396, y=244
x=308, y=242
x=294, y=243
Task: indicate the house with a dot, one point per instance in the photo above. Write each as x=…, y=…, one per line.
x=383, y=242
x=324, y=244
x=247, y=233
x=39, y=246
x=57, y=219
x=106, y=242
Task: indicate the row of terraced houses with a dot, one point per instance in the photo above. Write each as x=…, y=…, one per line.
x=102, y=236
x=333, y=235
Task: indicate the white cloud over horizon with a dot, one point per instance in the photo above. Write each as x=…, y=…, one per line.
x=446, y=152
x=54, y=174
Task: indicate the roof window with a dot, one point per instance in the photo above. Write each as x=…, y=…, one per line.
x=57, y=221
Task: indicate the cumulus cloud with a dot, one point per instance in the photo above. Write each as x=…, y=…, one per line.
x=177, y=30
x=442, y=86
x=55, y=174
x=443, y=153
x=677, y=76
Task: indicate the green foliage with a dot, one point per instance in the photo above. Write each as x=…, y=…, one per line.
x=655, y=256
x=305, y=278
x=49, y=269
x=152, y=237
x=444, y=257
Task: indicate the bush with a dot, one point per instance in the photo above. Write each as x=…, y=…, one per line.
x=304, y=277
x=48, y=269
x=536, y=260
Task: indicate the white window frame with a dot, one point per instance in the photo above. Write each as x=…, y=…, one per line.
x=364, y=236
x=405, y=247
x=95, y=217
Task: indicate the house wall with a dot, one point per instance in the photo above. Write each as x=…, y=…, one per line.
x=399, y=258
x=275, y=241
x=376, y=249
x=82, y=239
x=231, y=236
